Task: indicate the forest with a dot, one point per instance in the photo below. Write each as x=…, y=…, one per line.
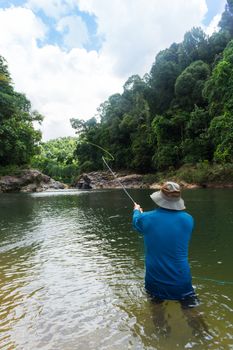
x=178, y=114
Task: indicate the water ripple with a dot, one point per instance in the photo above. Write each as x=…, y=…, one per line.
x=71, y=277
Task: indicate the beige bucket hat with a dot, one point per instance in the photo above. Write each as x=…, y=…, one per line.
x=169, y=196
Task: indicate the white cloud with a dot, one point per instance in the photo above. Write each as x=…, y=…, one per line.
x=64, y=84
x=52, y=8
x=213, y=26
x=135, y=30
x=75, y=32
x=19, y=26
x=60, y=84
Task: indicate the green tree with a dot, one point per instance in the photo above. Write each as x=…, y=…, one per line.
x=197, y=145
x=226, y=22
x=56, y=159
x=163, y=75
x=18, y=138
x=165, y=118
x=218, y=88
x=221, y=132
x=217, y=43
x=193, y=48
x=169, y=133
x=189, y=85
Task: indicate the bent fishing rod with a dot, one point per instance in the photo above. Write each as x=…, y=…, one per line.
x=111, y=171
x=123, y=187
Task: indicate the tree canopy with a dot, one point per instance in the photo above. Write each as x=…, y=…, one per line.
x=56, y=159
x=18, y=138
x=178, y=113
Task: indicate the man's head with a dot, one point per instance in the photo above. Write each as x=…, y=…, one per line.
x=169, y=196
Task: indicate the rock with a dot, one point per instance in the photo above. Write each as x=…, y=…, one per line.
x=155, y=186
x=10, y=184
x=219, y=185
x=84, y=182
x=29, y=188
x=101, y=179
x=188, y=186
x=30, y=180
x=52, y=184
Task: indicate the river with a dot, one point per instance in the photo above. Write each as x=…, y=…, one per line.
x=72, y=274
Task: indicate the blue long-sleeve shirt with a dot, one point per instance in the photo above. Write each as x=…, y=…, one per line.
x=166, y=238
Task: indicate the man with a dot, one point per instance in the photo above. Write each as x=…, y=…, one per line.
x=167, y=232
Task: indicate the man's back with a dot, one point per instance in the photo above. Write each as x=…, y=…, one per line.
x=166, y=236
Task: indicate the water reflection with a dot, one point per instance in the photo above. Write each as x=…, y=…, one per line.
x=72, y=275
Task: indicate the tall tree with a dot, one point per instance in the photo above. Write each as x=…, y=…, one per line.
x=18, y=138
x=218, y=88
x=189, y=85
x=163, y=75
x=194, y=47
x=226, y=22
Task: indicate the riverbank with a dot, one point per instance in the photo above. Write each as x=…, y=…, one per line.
x=28, y=180
x=103, y=180
x=201, y=175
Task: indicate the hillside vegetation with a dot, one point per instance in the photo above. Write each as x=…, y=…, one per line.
x=177, y=119
x=179, y=114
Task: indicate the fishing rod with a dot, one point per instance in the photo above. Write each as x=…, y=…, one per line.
x=123, y=187
x=111, y=171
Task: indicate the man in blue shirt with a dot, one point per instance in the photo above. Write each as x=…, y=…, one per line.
x=167, y=232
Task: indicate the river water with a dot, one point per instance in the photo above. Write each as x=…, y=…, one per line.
x=72, y=274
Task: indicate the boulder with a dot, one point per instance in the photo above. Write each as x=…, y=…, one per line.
x=101, y=179
x=30, y=180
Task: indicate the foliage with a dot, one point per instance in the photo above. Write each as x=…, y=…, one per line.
x=11, y=169
x=18, y=139
x=226, y=22
x=219, y=88
x=189, y=85
x=204, y=173
x=56, y=159
x=221, y=131
x=180, y=113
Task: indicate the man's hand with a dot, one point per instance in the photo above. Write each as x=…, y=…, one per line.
x=137, y=206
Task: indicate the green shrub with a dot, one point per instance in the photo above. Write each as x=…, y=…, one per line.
x=12, y=169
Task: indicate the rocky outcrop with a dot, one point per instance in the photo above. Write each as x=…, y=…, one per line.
x=100, y=179
x=29, y=181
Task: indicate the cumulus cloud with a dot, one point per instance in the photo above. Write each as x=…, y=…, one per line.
x=72, y=83
x=213, y=26
x=75, y=32
x=52, y=8
x=59, y=84
x=19, y=26
x=135, y=30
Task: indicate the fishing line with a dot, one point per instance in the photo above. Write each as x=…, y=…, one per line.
x=129, y=196
x=126, y=192
x=111, y=171
x=213, y=280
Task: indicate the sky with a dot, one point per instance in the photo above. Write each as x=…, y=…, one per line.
x=69, y=56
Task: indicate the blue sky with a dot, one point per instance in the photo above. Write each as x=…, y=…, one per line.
x=94, y=43
x=69, y=56
x=214, y=8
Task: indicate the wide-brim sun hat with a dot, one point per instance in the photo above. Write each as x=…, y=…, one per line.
x=169, y=196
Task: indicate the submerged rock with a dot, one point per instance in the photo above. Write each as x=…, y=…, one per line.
x=29, y=180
